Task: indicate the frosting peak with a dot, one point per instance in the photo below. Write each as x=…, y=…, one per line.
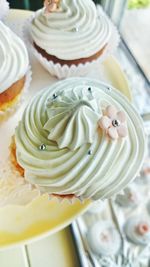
x=72, y=118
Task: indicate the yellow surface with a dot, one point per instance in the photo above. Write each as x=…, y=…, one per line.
x=42, y=217
x=117, y=77
x=56, y=250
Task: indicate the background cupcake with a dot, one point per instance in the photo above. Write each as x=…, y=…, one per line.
x=13, y=70
x=68, y=36
x=4, y=8
x=66, y=146
x=104, y=239
x=137, y=230
x=148, y=207
x=131, y=197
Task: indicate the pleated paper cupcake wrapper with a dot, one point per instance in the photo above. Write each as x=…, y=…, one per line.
x=73, y=70
x=4, y=115
x=16, y=190
x=70, y=200
x=4, y=9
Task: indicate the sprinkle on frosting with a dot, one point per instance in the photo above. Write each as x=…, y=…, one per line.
x=90, y=152
x=42, y=147
x=114, y=123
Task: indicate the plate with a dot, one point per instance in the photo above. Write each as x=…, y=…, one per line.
x=23, y=224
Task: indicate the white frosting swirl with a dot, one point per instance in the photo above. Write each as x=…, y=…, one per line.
x=75, y=31
x=103, y=238
x=132, y=233
x=72, y=120
x=13, y=58
x=99, y=174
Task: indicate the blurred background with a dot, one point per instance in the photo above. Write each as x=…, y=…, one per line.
x=33, y=5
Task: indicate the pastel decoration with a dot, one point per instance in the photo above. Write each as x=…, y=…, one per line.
x=113, y=122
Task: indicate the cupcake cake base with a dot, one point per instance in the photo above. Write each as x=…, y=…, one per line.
x=8, y=97
x=75, y=62
x=12, y=98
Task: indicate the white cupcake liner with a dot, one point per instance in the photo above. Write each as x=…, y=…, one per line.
x=12, y=109
x=14, y=189
x=4, y=9
x=73, y=70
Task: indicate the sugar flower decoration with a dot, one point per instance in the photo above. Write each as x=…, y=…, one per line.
x=51, y=5
x=143, y=229
x=114, y=123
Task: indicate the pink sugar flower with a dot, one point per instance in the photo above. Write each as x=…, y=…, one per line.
x=143, y=228
x=51, y=5
x=114, y=123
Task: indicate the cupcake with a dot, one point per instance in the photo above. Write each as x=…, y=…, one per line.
x=145, y=173
x=79, y=137
x=97, y=207
x=130, y=199
x=4, y=8
x=103, y=239
x=13, y=69
x=137, y=230
x=69, y=35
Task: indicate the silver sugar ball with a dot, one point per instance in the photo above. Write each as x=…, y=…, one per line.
x=75, y=29
x=54, y=96
x=116, y=123
x=42, y=147
x=90, y=152
x=90, y=89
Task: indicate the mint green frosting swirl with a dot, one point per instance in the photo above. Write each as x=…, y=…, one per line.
x=72, y=119
x=66, y=167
